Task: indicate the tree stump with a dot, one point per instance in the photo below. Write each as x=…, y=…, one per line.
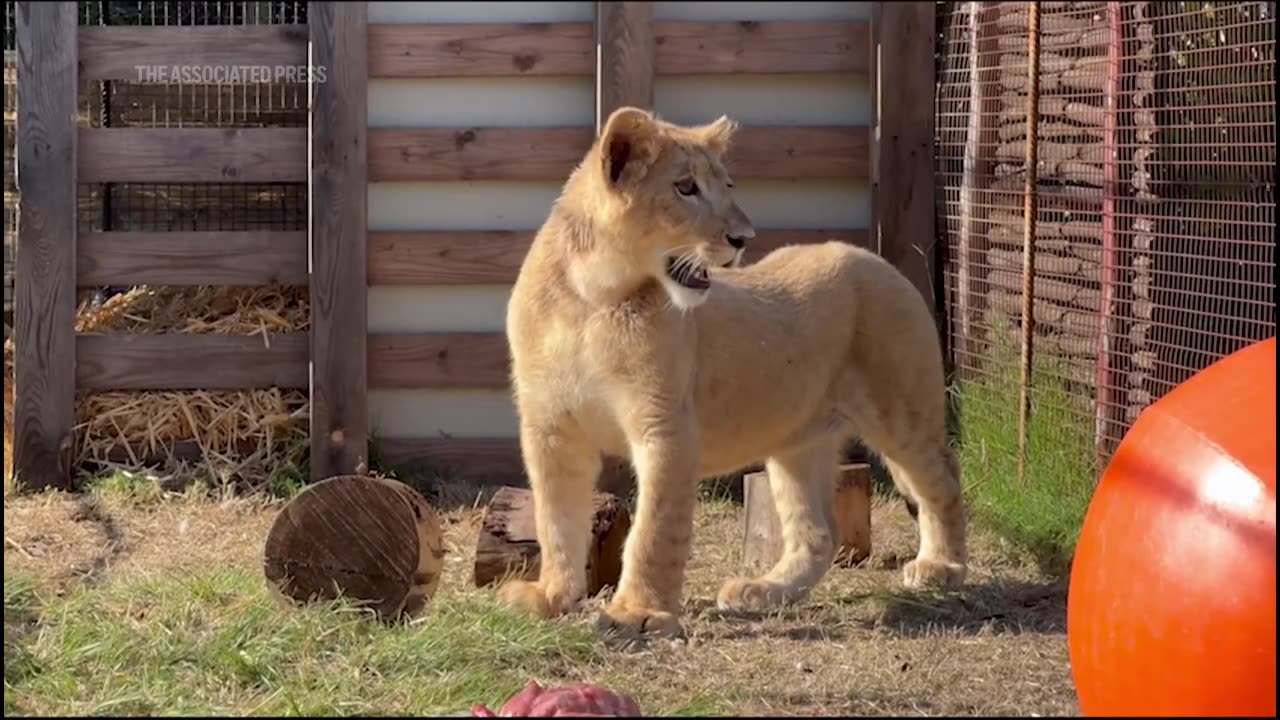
x=762, y=536
x=374, y=541
x=507, y=547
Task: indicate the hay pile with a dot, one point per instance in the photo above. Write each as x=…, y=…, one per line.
x=244, y=438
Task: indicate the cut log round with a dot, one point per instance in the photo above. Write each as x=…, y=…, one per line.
x=373, y=541
x=507, y=547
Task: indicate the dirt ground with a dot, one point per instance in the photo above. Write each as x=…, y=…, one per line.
x=860, y=646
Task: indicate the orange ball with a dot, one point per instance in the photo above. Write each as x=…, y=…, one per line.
x=1172, y=605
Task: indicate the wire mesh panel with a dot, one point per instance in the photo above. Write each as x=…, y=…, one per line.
x=1154, y=235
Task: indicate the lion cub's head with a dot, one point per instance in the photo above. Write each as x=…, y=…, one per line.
x=662, y=196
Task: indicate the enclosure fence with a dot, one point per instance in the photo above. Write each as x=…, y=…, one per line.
x=1154, y=235
x=165, y=192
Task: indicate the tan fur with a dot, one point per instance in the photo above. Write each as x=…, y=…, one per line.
x=782, y=361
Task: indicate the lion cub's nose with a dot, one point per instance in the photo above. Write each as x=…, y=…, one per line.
x=738, y=241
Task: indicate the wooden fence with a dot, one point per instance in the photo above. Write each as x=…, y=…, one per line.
x=338, y=360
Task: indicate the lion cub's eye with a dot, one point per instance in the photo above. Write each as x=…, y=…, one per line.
x=687, y=187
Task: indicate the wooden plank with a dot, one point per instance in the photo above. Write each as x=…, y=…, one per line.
x=446, y=257
x=476, y=153
x=774, y=46
x=249, y=259
x=190, y=362
x=45, y=266
x=481, y=50
x=569, y=49
x=502, y=153
x=193, y=155
x=194, y=54
x=904, y=192
x=494, y=256
x=495, y=461
x=625, y=48
x=439, y=360
x=812, y=153
x=339, y=219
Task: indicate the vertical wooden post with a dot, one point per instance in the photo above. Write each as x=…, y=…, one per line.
x=338, y=200
x=904, y=191
x=625, y=47
x=45, y=267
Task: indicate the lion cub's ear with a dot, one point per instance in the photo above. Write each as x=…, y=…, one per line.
x=718, y=134
x=627, y=144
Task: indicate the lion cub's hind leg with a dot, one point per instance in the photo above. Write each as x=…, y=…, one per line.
x=802, y=482
x=931, y=473
x=562, y=471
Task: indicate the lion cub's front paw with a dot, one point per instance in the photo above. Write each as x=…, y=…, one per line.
x=740, y=594
x=941, y=574
x=632, y=622
x=532, y=598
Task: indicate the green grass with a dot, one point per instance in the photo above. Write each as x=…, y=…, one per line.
x=220, y=643
x=1044, y=513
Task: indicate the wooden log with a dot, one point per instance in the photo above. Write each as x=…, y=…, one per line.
x=1053, y=152
x=1048, y=314
x=1083, y=113
x=1015, y=20
x=1066, y=171
x=762, y=532
x=1008, y=193
x=1075, y=38
x=1058, y=290
x=507, y=547
x=1047, y=131
x=1008, y=222
x=374, y=541
x=1046, y=263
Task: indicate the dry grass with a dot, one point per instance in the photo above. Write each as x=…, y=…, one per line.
x=244, y=437
x=861, y=646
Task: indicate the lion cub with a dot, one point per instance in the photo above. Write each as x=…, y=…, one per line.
x=634, y=332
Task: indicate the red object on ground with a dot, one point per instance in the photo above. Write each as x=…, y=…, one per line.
x=1172, y=605
x=575, y=700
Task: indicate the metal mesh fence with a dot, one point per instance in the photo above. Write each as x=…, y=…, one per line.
x=1154, y=239
x=171, y=207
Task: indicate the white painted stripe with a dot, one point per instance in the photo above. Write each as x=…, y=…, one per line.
x=433, y=413
x=471, y=12
x=713, y=11
x=477, y=205
x=438, y=308
x=499, y=102
x=843, y=99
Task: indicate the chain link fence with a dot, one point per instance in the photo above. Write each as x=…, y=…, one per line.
x=1154, y=238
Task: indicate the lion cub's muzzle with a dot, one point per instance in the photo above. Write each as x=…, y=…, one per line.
x=688, y=275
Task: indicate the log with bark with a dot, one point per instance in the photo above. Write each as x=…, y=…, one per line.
x=507, y=547
x=1057, y=290
x=373, y=541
